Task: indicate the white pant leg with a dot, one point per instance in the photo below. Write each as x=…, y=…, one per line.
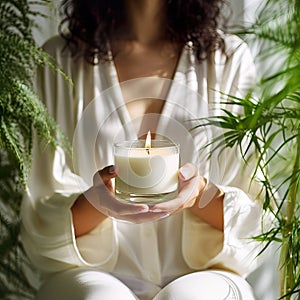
x=207, y=285
x=84, y=284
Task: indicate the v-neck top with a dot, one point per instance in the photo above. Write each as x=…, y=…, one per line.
x=93, y=114
x=144, y=87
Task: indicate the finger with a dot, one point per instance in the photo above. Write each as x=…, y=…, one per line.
x=124, y=209
x=116, y=207
x=105, y=175
x=188, y=183
x=104, y=200
x=188, y=171
x=144, y=217
x=185, y=198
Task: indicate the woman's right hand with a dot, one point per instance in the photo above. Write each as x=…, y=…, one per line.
x=102, y=197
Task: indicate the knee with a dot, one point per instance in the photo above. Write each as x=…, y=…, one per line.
x=207, y=285
x=78, y=284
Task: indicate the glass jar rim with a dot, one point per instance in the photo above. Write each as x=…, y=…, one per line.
x=140, y=144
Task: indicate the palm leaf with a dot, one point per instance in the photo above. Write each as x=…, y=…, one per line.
x=271, y=126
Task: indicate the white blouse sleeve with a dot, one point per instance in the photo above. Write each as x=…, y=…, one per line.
x=47, y=230
x=234, y=249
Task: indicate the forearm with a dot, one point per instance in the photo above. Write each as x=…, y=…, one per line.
x=85, y=216
x=209, y=207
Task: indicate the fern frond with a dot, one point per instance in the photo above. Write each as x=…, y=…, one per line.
x=21, y=110
x=21, y=113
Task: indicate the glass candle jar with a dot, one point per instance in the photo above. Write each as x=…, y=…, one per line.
x=146, y=175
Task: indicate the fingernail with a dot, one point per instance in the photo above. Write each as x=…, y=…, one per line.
x=186, y=172
x=112, y=169
x=156, y=210
x=143, y=210
x=164, y=215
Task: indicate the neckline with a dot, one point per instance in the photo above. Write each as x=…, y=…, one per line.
x=120, y=102
x=179, y=65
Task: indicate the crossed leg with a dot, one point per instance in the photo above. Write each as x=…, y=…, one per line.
x=207, y=285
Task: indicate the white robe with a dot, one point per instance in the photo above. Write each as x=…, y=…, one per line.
x=93, y=115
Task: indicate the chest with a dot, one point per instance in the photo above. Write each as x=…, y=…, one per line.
x=148, y=63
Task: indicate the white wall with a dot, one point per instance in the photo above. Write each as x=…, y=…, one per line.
x=48, y=26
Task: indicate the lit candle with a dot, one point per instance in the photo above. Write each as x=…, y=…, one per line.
x=148, y=172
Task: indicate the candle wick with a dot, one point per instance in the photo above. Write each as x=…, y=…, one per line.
x=148, y=150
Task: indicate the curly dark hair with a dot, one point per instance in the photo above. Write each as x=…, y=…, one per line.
x=95, y=22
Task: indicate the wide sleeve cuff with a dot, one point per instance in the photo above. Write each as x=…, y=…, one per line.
x=48, y=237
x=232, y=249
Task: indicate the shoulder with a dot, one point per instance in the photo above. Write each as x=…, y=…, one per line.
x=58, y=48
x=234, y=45
x=54, y=45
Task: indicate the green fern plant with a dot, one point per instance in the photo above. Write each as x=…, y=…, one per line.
x=14, y=265
x=20, y=108
x=271, y=124
x=21, y=114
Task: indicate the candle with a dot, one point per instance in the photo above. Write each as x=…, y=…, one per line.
x=148, y=171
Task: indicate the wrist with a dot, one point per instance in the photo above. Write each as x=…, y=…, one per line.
x=209, y=205
x=209, y=193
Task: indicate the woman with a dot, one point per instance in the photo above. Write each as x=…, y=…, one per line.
x=140, y=65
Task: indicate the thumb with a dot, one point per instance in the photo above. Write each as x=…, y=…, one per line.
x=105, y=175
x=188, y=171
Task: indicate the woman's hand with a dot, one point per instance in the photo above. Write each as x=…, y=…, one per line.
x=99, y=202
x=191, y=185
x=102, y=197
x=204, y=200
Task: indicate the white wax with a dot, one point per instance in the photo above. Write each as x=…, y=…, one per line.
x=141, y=172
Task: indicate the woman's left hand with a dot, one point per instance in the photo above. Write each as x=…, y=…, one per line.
x=191, y=185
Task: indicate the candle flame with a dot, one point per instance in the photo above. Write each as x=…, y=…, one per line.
x=148, y=140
